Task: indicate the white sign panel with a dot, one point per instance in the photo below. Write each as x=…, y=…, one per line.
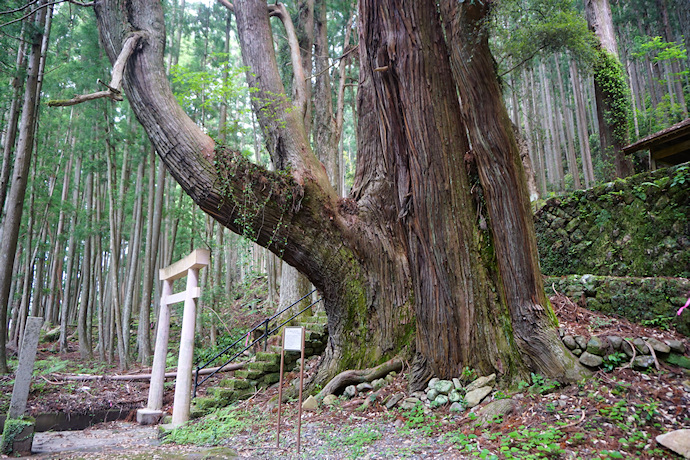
x=293, y=338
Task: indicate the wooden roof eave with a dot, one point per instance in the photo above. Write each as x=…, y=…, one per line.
x=664, y=136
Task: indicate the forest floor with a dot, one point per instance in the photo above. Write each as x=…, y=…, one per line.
x=614, y=414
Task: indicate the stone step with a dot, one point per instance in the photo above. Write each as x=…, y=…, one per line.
x=313, y=336
x=235, y=383
x=263, y=366
x=265, y=370
x=313, y=327
x=271, y=378
x=268, y=356
x=226, y=396
x=248, y=375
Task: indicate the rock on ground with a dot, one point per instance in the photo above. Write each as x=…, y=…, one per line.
x=678, y=441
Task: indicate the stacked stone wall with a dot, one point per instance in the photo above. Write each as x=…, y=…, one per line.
x=634, y=227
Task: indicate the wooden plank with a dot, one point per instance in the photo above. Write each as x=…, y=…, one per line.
x=198, y=258
x=181, y=296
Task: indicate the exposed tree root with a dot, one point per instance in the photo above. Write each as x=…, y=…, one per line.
x=358, y=376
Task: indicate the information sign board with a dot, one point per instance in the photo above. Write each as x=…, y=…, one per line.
x=293, y=338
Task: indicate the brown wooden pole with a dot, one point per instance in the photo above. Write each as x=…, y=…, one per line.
x=299, y=400
x=280, y=387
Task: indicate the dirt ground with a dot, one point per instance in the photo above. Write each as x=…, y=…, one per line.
x=614, y=413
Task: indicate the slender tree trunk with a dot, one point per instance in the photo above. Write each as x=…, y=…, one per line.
x=675, y=73
x=171, y=231
x=529, y=138
x=55, y=290
x=36, y=305
x=568, y=115
x=15, y=304
x=85, y=350
x=305, y=38
x=94, y=298
x=40, y=255
x=101, y=282
x=581, y=115
x=548, y=131
x=232, y=271
x=153, y=229
x=327, y=122
x=115, y=322
x=71, y=257
x=634, y=91
x=274, y=275
x=10, y=128
x=534, y=133
x=27, y=280
x=134, y=253
x=12, y=220
x=174, y=55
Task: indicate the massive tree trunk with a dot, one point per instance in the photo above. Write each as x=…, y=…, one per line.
x=518, y=282
x=410, y=253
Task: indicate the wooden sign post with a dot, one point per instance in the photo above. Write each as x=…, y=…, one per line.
x=293, y=340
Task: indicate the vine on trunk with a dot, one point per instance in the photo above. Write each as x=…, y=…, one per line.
x=610, y=76
x=260, y=189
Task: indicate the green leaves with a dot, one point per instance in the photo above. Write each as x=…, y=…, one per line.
x=525, y=30
x=206, y=88
x=658, y=50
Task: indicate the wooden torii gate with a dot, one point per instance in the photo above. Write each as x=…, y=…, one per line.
x=189, y=267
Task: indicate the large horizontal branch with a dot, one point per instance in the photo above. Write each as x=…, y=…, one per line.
x=85, y=98
x=293, y=213
x=114, y=90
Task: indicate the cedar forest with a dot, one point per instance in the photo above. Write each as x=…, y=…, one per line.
x=391, y=155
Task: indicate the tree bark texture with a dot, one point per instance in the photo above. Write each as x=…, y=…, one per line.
x=502, y=180
x=85, y=350
x=412, y=253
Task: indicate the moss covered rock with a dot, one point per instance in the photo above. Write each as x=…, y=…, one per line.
x=17, y=436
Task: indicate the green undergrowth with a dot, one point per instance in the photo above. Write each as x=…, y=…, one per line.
x=218, y=426
x=357, y=439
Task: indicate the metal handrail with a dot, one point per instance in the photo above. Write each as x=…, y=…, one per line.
x=263, y=324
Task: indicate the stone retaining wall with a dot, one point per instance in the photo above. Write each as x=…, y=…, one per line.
x=634, y=227
x=647, y=301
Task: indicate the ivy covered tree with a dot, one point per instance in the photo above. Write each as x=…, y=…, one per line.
x=611, y=89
